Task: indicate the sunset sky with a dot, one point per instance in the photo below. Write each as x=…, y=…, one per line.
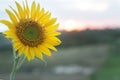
x=76, y=14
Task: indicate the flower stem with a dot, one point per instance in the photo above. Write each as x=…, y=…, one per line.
x=18, y=61
x=14, y=69
x=21, y=61
x=12, y=75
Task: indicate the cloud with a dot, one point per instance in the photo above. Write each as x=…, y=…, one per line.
x=86, y=5
x=90, y=6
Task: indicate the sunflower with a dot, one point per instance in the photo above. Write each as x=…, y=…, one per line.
x=31, y=30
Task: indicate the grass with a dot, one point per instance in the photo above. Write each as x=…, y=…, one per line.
x=111, y=69
x=86, y=56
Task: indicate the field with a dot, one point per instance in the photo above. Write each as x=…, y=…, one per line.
x=111, y=68
x=74, y=63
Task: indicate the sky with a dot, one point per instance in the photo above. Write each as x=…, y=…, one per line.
x=75, y=14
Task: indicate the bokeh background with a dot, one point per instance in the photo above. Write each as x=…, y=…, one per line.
x=90, y=48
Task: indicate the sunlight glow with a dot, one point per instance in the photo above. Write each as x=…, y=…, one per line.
x=71, y=25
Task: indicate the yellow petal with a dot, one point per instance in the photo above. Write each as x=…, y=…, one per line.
x=20, y=10
x=21, y=50
x=37, y=12
x=45, y=50
x=46, y=15
x=18, y=16
x=24, y=10
x=33, y=9
x=9, y=34
x=49, y=46
x=40, y=14
x=32, y=53
x=27, y=8
x=52, y=27
x=17, y=45
x=53, y=34
x=38, y=7
x=53, y=41
x=45, y=18
x=7, y=23
x=26, y=52
x=27, y=11
x=38, y=53
x=52, y=21
x=12, y=17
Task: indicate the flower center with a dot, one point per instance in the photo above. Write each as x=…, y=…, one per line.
x=30, y=33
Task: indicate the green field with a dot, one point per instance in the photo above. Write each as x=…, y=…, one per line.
x=89, y=57
x=110, y=70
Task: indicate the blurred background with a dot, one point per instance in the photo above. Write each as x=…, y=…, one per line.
x=90, y=48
